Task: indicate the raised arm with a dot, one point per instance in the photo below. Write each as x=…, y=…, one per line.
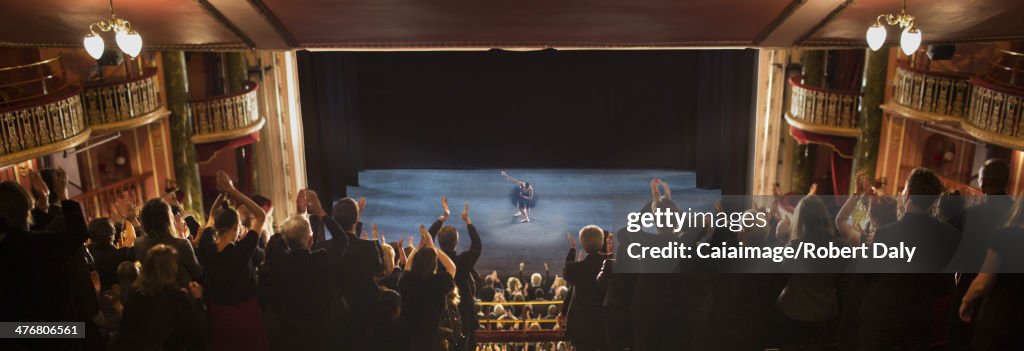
x=847, y=231
x=436, y=226
x=475, y=246
x=509, y=178
x=427, y=241
x=228, y=187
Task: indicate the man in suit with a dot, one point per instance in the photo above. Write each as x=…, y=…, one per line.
x=304, y=282
x=448, y=238
x=897, y=306
x=586, y=316
x=354, y=271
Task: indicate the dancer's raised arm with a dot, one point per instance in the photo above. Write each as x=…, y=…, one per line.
x=510, y=178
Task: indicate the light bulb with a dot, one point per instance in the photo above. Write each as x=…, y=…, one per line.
x=910, y=40
x=93, y=45
x=129, y=43
x=876, y=36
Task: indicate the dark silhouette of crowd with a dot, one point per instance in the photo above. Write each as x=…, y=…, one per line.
x=152, y=277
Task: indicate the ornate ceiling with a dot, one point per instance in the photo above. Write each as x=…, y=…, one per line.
x=522, y=24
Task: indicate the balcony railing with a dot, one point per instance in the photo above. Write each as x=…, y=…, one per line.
x=996, y=114
x=930, y=96
x=30, y=81
x=225, y=117
x=99, y=202
x=825, y=111
x=124, y=104
x=42, y=126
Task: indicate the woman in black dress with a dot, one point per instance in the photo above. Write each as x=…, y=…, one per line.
x=424, y=289
x=522, y=197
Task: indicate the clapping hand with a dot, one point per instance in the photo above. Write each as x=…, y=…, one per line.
x=315, y=206
x=572, y=241
x=301, y=202
x=425, y=239
x=39, y=189
x=224, y=183
x=444, y=208
x=465, y=213
x=60, y=184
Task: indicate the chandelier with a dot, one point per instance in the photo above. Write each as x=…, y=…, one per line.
x=128, y=40
x=910, y=40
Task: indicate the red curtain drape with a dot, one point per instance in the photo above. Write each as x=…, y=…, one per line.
x=842, y=155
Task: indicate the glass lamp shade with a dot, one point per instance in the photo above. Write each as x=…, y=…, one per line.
x=876, y=36
x=93, y=45
x=130, y=43
x=910, y=40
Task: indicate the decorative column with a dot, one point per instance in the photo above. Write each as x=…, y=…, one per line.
x=813, y=62
x=875, y=70
x=236, y=74
x=186, y=167
x=237, y=71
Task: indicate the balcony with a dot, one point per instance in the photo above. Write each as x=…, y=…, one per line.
x=996, y=114
x=227, y=117
x=123, y=104
x=823, y=111
x=929, y=96
x=39, y=112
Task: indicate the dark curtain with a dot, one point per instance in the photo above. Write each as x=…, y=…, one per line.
x=725, y=110
x=690, y=110
x=330, y=121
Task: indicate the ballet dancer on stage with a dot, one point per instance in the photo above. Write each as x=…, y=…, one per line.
x=522, y=197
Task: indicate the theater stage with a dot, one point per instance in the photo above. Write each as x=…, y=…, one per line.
x=399, y=200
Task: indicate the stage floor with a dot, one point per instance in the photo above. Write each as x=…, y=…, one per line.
x=399, y=200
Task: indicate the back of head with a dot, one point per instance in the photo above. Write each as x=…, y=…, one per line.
x=882, y=210
x=536, y=279
x=296, y=232
x=159, y=270
x=15, y=204
x=812, y=221
x=156, y=219
x=994, y=176
x=388, y=255
x=591, y=238
x=389, y=304
x=424, y=262
x=346, y=213
x=127, y=273
x=448, y=238
x=923, y=187
x=950, y=204
x=225, y=220
x=101, y=232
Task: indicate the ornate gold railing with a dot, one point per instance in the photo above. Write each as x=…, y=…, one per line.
x=929, y=96
x=225, y=117
x=118, y=105
x=825, y=111
x=996, y=114
x=42, y=126
x=99, y=202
